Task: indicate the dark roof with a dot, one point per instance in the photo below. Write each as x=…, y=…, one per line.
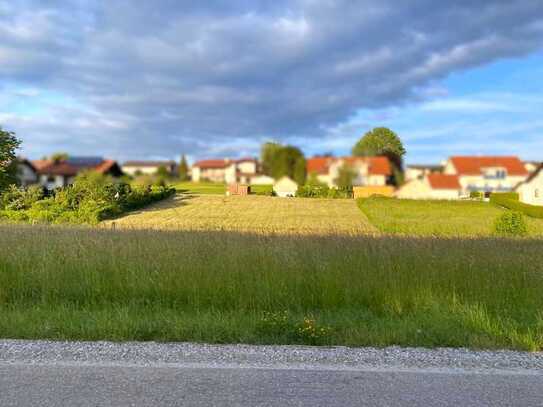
x=135, y=163
x=431, y=167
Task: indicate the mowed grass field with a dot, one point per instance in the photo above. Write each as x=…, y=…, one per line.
x=437, y=218
x=92, y=284
x=201, y=188
x=259, y=214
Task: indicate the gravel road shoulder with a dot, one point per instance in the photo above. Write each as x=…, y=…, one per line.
x=267, y=357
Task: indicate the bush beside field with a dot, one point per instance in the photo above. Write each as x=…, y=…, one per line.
x=91, y=284
x=92, y=198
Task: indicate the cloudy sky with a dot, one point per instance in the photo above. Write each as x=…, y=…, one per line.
x=153, y=79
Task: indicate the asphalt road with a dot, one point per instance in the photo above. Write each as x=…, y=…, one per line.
x=96, y=375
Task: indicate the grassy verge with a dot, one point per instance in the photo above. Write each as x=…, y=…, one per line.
x=436, y=218
x=200, y=188
x=66, y=283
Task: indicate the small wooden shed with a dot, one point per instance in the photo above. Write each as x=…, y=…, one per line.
x=238, y=189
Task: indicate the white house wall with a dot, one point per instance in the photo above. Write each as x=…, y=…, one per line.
x=532, y=192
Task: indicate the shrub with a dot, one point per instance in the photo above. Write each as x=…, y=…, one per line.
x=476, y=195
x=511, y=224
x=92, y=198
x=323, y=191
x=310, y=333
x=20, y=198
x=281, y=327
x=511, y=201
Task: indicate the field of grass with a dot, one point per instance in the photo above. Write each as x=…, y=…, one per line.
x=437, y=218
x=90, y=284
x=200, y=188
x=260, y=214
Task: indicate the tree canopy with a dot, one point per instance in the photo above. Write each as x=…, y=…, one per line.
x=345, y=177
x=279, y=160
x=380, y=141
x=383, y=141
x=8, y=145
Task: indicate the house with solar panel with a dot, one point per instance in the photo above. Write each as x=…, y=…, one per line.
x=60, y=173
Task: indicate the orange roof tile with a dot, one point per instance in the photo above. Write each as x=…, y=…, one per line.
x=443, y=181
x=473, y=165
x=318, y=165
x=211, y=163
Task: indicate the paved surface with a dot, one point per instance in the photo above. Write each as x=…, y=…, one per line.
x=151, y=374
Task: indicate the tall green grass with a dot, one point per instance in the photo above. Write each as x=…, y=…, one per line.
x=78, y=283
x=437, y=218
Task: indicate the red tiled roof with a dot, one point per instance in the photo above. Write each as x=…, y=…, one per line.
x=318, y=165
x=69, y=170
x=211, y=164
x=39, y=164
x=245, y=159
x=473, y=165
x=105, y=166
x=379, y=165
x=443, y=181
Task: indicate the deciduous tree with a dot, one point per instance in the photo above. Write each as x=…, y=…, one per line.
x=8, y=168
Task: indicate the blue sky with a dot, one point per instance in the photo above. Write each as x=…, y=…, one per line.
x=129, y=79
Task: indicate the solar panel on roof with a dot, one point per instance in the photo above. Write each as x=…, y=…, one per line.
x=85, y=161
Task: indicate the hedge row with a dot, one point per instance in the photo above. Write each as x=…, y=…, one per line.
x=323, y=191
x=510, y=200
x=91, y=199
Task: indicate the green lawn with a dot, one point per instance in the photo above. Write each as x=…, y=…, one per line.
x=205, y=188
x=200, y=188
x=436, y=218
x=90, y=284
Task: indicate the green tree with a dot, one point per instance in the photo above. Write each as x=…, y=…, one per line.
x=345, y=177
x=299, y=173
x=268, y=155
x=59, y=157
x=383, y=141
x=289, y=161
x=183, y=169
x=8, y=168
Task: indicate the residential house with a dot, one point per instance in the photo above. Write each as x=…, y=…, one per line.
x=532, y=166
x=486, y=173
x=417, y=171
x=285, y=187
x=431, y=186
x=26, y=173
x=369, y=171
x=134, y=168
x=56, y=174
x=531, y=190
x=242, y=171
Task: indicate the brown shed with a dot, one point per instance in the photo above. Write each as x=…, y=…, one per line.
x=238, y=189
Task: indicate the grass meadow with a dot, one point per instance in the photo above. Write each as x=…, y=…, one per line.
x=224, y=287
x=200, y=188
x=437, y=218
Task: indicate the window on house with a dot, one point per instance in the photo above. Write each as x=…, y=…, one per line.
x=536, y=193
